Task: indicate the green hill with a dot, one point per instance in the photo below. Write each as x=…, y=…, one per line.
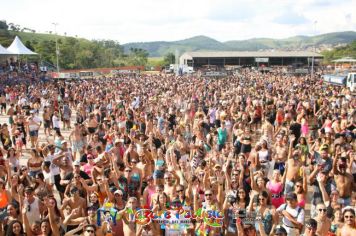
x=200, y=43
x=82, y=53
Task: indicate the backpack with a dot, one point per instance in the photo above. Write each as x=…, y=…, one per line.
x=299, y=209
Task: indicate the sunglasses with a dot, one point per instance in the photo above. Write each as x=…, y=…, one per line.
x=180, y=190
x=298, y=186
x=208, y=194
x=324, y=210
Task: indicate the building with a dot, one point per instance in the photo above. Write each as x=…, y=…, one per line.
x=257, y=58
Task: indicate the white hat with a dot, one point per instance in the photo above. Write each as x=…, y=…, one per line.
x=76, y=163
x=118, y=192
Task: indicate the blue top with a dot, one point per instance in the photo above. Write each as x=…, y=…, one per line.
x=222, y=136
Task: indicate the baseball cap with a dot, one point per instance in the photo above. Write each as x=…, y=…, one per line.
x=291, y=196
x=76, y=163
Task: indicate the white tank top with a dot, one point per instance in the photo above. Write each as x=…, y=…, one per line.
x=33, y=212
x=263, y=155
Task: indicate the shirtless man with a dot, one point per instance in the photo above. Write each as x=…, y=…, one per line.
x=47, y=121
x=324, y=223
x=344, y=180
x=128, y=217
x=75, y=202
x=2, y=103
x=280, y=154
x=76, y=140
x=267, y=129
x=170, y=185
x=92, y=125
x=130, y=154
x=61, y=160
x=11, y=113
x=294, y=165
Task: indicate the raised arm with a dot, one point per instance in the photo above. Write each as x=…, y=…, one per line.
x=91, y=188
x=52, y=221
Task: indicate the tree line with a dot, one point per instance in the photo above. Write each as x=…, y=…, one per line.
x=337, y=53
x=76, y=53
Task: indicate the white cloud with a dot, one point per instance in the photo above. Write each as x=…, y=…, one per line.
x=151, y=20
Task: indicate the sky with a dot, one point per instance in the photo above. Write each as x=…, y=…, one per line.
x=170, y=20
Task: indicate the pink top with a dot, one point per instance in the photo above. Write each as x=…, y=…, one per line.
x=301, y=203
x=88, y=168
x=150, y=194
x=276, y=193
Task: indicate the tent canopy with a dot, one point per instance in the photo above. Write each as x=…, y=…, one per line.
x=17, y=47
x=345, y=60
x=3, y=51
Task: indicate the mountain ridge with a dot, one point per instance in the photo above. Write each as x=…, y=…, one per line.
x=205, y=43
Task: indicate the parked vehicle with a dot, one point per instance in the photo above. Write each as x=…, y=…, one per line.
x=348, y=80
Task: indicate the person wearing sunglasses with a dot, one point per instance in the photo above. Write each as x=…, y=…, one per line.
x=349, y=227
x=311, y=227
x=89, y=230
x=324, y=223
x=74, y=201
x=265, y=212
x=211, y=203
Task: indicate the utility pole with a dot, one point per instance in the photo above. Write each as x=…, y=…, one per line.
x=312, y=69
x=57, y=49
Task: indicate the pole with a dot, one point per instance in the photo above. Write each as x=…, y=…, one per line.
x=312, y=69
x=57, y=49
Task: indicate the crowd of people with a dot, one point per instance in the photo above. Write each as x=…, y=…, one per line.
x=250, y=154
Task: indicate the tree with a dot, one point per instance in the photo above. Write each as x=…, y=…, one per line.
x=29, y=45
x=138, y=57
x=169, y=58
x=346, y=51
x=3, y=25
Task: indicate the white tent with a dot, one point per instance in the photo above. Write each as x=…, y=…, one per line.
x=18, y=48
x=3, y=51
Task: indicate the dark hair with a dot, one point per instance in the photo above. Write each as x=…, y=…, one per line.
x=56, y=209
x=265, y=195
x=46, y=221
x=40, y=176
x=58, y=132
x=92, y=226
x=347, y=210
x=246, y=199
x=165, y=203
x=9, y=231
x=14, y=206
